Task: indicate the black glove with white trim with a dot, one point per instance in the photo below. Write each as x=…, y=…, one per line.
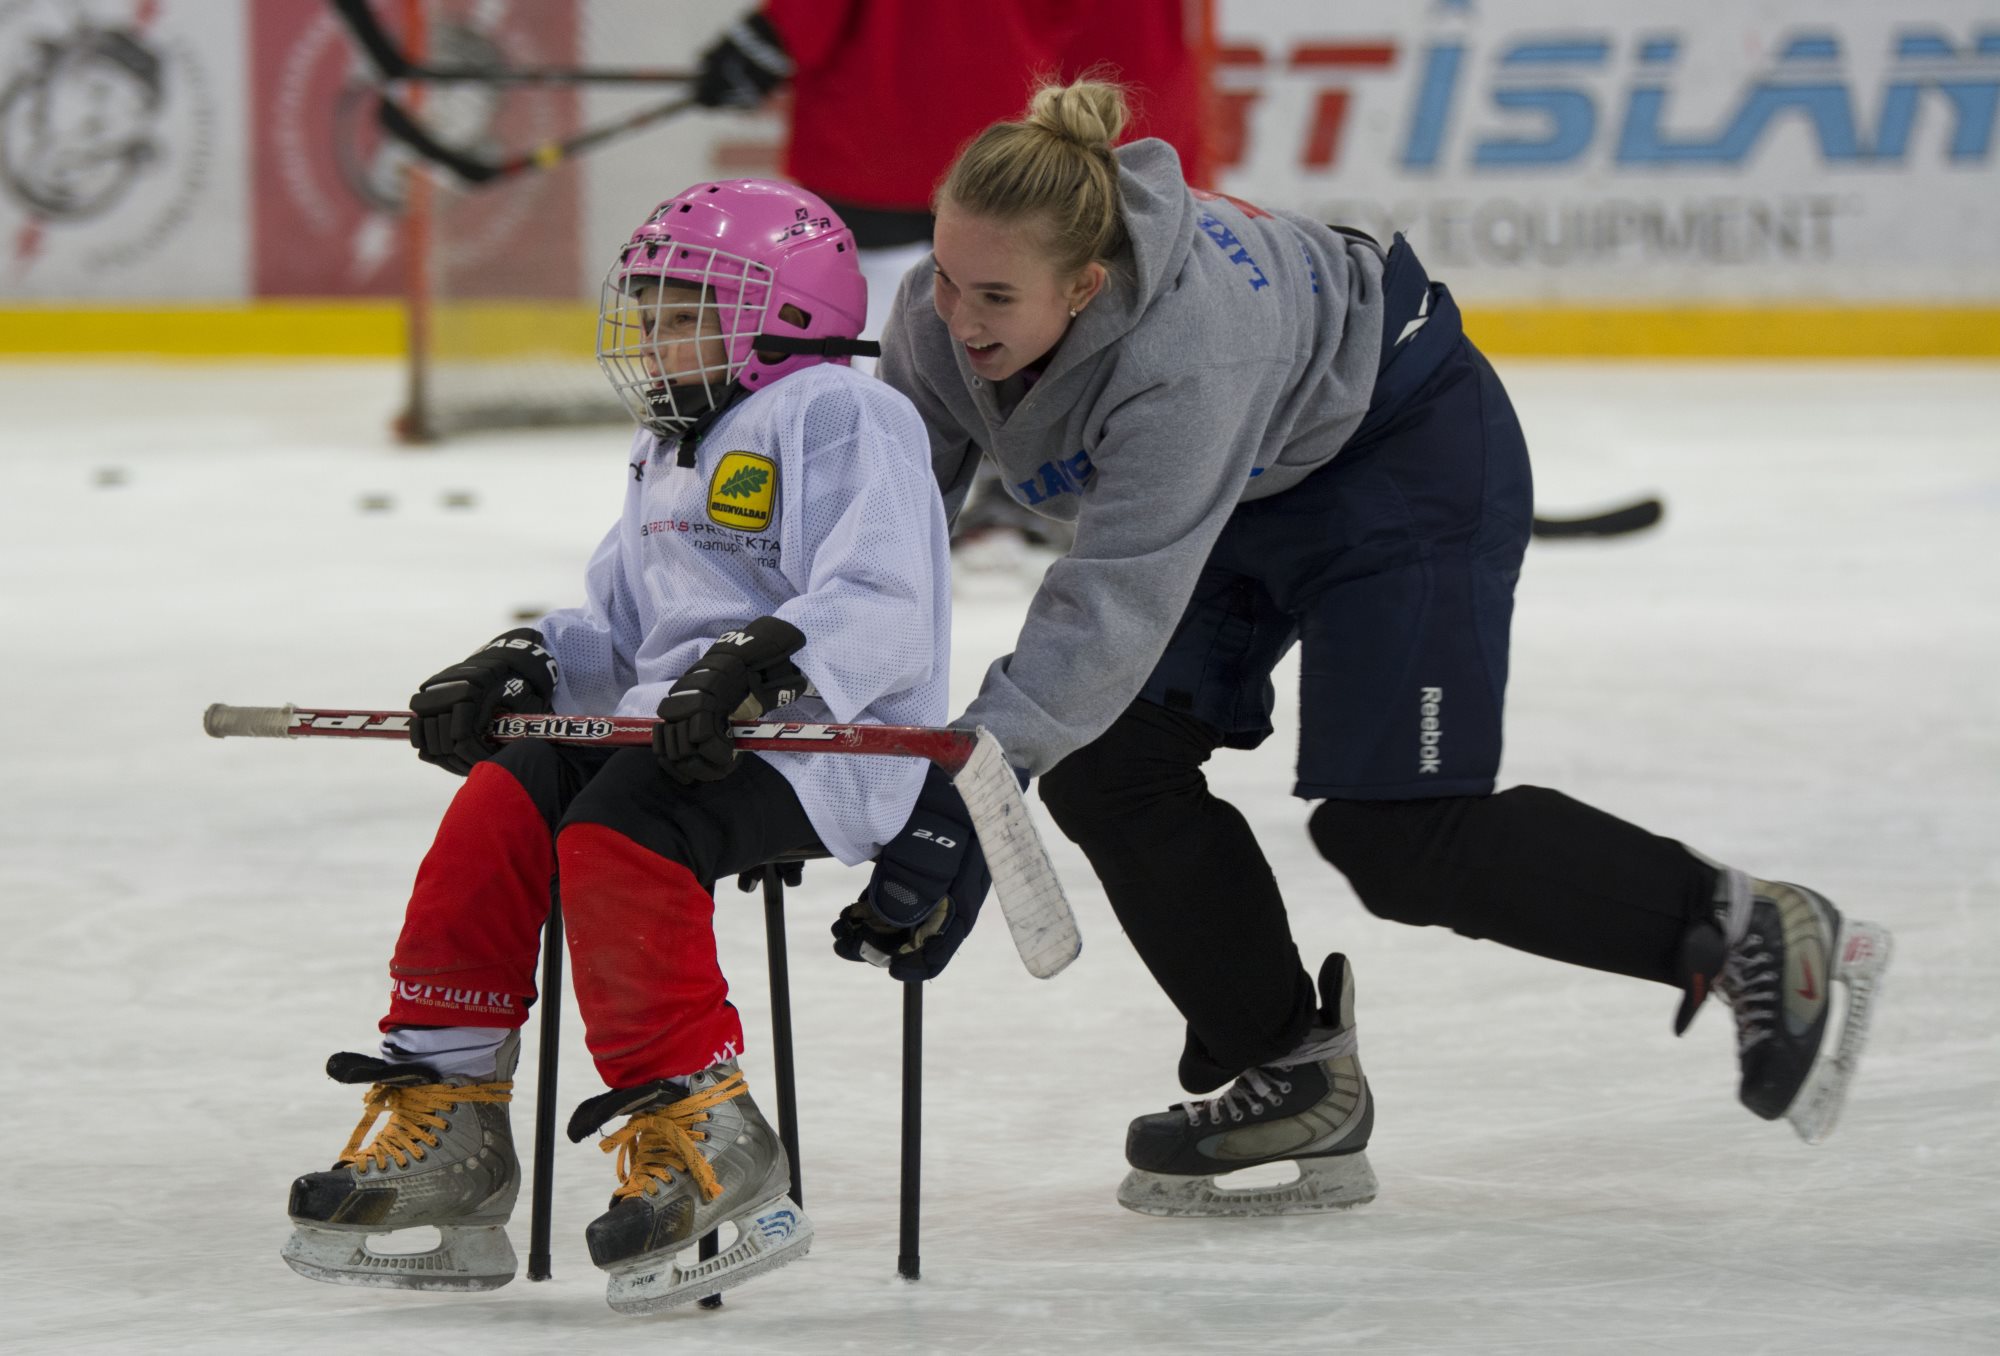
x=925, y=895
x=511, y=673
x=743, y=66
x=744, y=674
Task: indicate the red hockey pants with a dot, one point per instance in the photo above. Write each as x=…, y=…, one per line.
x=629, y=850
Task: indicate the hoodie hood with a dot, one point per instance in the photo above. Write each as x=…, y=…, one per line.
x=1159, y=225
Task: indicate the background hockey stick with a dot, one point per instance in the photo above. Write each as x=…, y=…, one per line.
x=1611, y=523
x=476, y=169
x=1031, y=897
x=391, y=63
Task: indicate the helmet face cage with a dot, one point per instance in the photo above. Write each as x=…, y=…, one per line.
x=768, y=258
x=666, y=374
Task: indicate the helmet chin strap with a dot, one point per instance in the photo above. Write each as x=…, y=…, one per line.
x=699, y=401
x=681, y=402
x=696, y=406
x=818, y=348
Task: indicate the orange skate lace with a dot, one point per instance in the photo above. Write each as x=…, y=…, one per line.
x=651, y=1144
x=416, y=1115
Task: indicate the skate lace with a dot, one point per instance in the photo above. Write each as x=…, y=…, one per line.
x=1749, y=981
x=1266, y=1085
x=416, y=1117
x=1749, y=978
x=651, y=1145
x=1248, y=1095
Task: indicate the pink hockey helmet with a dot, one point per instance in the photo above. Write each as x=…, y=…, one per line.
x=781, y=289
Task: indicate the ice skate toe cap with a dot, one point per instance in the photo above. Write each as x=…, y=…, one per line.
x=637, y=1226
x=1160, y=1143
x=333, y=1198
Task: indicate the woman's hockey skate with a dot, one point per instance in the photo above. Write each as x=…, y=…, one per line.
x=690, y=1159
x=1787, y=955
x=1311, y=1108
x=444, y=1159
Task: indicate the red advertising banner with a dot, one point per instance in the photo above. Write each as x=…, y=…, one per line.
x=329, y=189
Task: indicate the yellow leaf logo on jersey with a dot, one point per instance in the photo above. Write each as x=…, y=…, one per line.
x=742, y=490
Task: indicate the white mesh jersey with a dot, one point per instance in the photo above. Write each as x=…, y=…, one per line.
x=813, y=501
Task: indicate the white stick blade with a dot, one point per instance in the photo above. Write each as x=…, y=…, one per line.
x=1037, y=911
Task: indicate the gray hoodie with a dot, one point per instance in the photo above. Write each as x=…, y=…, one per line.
x=1230, y=356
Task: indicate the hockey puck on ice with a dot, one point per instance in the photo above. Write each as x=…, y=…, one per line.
x=529, y=613
x=460, y=499
x=377, y=503
x=108, y=475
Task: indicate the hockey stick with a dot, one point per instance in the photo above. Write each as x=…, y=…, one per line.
x=1640, y=514
x=1038, y=913
x=474, y=169
x=391, y=63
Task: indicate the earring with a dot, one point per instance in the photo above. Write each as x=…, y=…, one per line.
x=1072, y=313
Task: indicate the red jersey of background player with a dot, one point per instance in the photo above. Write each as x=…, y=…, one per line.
x=887, y=91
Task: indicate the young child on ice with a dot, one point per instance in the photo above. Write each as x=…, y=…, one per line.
x=782, y=547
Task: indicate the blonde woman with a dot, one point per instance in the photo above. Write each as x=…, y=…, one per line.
x=1268, y=431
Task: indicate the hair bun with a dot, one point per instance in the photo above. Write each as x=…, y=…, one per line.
x=1091, y=113
x=1054, y=168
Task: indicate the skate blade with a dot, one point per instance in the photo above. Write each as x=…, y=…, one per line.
x=1864, y=951
x=767, y=1238
x=467, y=1257
x=1324, y=1184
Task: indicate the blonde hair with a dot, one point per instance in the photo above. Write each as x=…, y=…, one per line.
x=1054, y=167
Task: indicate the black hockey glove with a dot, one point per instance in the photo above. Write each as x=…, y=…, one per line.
x=452, y=709
x=744, y=65
x=743, y=675
x=925, y=894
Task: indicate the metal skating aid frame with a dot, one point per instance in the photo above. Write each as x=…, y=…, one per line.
x=774, y=876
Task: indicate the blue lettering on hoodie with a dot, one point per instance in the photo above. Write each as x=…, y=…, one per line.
x=1226, y=241
x=1070, y=475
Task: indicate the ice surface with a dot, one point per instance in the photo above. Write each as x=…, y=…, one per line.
x=1795, y=673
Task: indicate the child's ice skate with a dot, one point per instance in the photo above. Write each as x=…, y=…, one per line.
x=445, y=1159
x=689, y=1159
x=1775, y=953
x=1312, y=1108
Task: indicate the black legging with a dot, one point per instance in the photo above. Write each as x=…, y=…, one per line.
x=1529, y=868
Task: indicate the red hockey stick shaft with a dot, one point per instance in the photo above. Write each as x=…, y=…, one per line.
x=947, y=748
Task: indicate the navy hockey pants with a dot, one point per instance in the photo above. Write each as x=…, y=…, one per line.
x=1394, y=569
